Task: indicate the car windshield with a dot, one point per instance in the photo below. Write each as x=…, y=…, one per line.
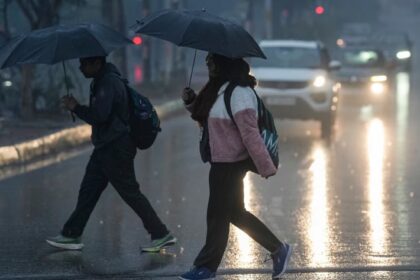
x=289, y=57
x=362, y=58
x=392, y=42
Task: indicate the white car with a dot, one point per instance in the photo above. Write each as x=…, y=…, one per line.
x=295, y=81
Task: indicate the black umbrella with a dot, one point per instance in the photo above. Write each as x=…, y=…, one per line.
x=59, y=43
x=200, y=30
x=3, y=38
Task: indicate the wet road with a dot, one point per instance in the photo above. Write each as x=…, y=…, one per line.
x=350, y=208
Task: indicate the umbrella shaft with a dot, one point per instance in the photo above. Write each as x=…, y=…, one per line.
x=65, y=77
x=67, y=88
x=192, y=68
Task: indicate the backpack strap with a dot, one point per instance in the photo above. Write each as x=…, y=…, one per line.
x=127, y=90
x=227, y=95
x=228, y=98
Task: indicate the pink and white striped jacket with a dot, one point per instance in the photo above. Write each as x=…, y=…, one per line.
x=232, y=143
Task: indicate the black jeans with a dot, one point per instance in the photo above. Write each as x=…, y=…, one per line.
x=226, y=205
x=115, y=164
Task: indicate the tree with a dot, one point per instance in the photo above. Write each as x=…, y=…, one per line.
x=287, y=14
x=113, y=11
x=147, y=66
x=5, y=23
x=39, y=13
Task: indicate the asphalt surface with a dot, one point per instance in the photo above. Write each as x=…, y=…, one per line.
x=349, y=207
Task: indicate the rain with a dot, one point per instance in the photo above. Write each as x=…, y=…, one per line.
x=340, y=79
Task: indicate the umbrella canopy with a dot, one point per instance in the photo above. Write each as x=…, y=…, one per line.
x=3, y=38
x=58, y=43
x=200, y=30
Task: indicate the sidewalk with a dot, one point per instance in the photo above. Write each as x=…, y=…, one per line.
x=22, y=142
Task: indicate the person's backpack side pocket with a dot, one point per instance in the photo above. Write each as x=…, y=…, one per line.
x=205, y=143
x=144, y=121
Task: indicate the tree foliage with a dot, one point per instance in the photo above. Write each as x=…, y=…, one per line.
x=39, y=14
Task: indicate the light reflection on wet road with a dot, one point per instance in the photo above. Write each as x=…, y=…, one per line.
x=319, y=228
x=375, y=151
x=244, y=246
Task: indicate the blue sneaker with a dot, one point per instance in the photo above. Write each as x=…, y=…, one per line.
x=198, y=273
x=280, y=259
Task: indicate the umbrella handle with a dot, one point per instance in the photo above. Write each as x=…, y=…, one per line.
x=67, y=88
x=192, y=68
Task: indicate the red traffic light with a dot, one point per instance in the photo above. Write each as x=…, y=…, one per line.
x=319, y=10
x=137, y=40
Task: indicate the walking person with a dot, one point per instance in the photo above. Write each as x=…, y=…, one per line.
x=236, y=147
x=112, y=160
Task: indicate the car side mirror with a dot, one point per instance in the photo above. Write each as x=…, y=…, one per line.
x=334, y=65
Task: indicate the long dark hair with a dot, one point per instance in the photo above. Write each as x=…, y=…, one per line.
x=227, y=70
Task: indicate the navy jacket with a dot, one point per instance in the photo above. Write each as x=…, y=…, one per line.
x=108, y=110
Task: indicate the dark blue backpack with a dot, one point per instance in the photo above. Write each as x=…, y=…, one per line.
x=144, y=121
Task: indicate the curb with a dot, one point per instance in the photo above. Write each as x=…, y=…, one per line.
x=64, y=139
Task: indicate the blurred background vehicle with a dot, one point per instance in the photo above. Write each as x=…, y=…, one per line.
x=295, y=81
x=364, y=75
x=397, y=47
x=357, y=28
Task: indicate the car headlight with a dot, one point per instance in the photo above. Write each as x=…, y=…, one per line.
x=319, y=81
x=378, y=78
x=403, y=54
x=7, y=83
x=377, y=88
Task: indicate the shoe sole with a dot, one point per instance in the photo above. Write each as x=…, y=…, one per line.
x=157, y=249
x=286, y=262
x=65, y=246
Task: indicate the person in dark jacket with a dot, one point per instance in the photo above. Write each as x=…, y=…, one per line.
x=112, y=160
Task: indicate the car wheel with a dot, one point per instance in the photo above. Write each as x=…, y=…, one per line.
x=327, y=127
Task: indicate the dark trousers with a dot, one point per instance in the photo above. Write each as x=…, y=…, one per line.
x=115, y=164
x=226, y=205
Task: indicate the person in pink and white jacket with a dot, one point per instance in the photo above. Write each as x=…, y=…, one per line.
x=235, y=148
